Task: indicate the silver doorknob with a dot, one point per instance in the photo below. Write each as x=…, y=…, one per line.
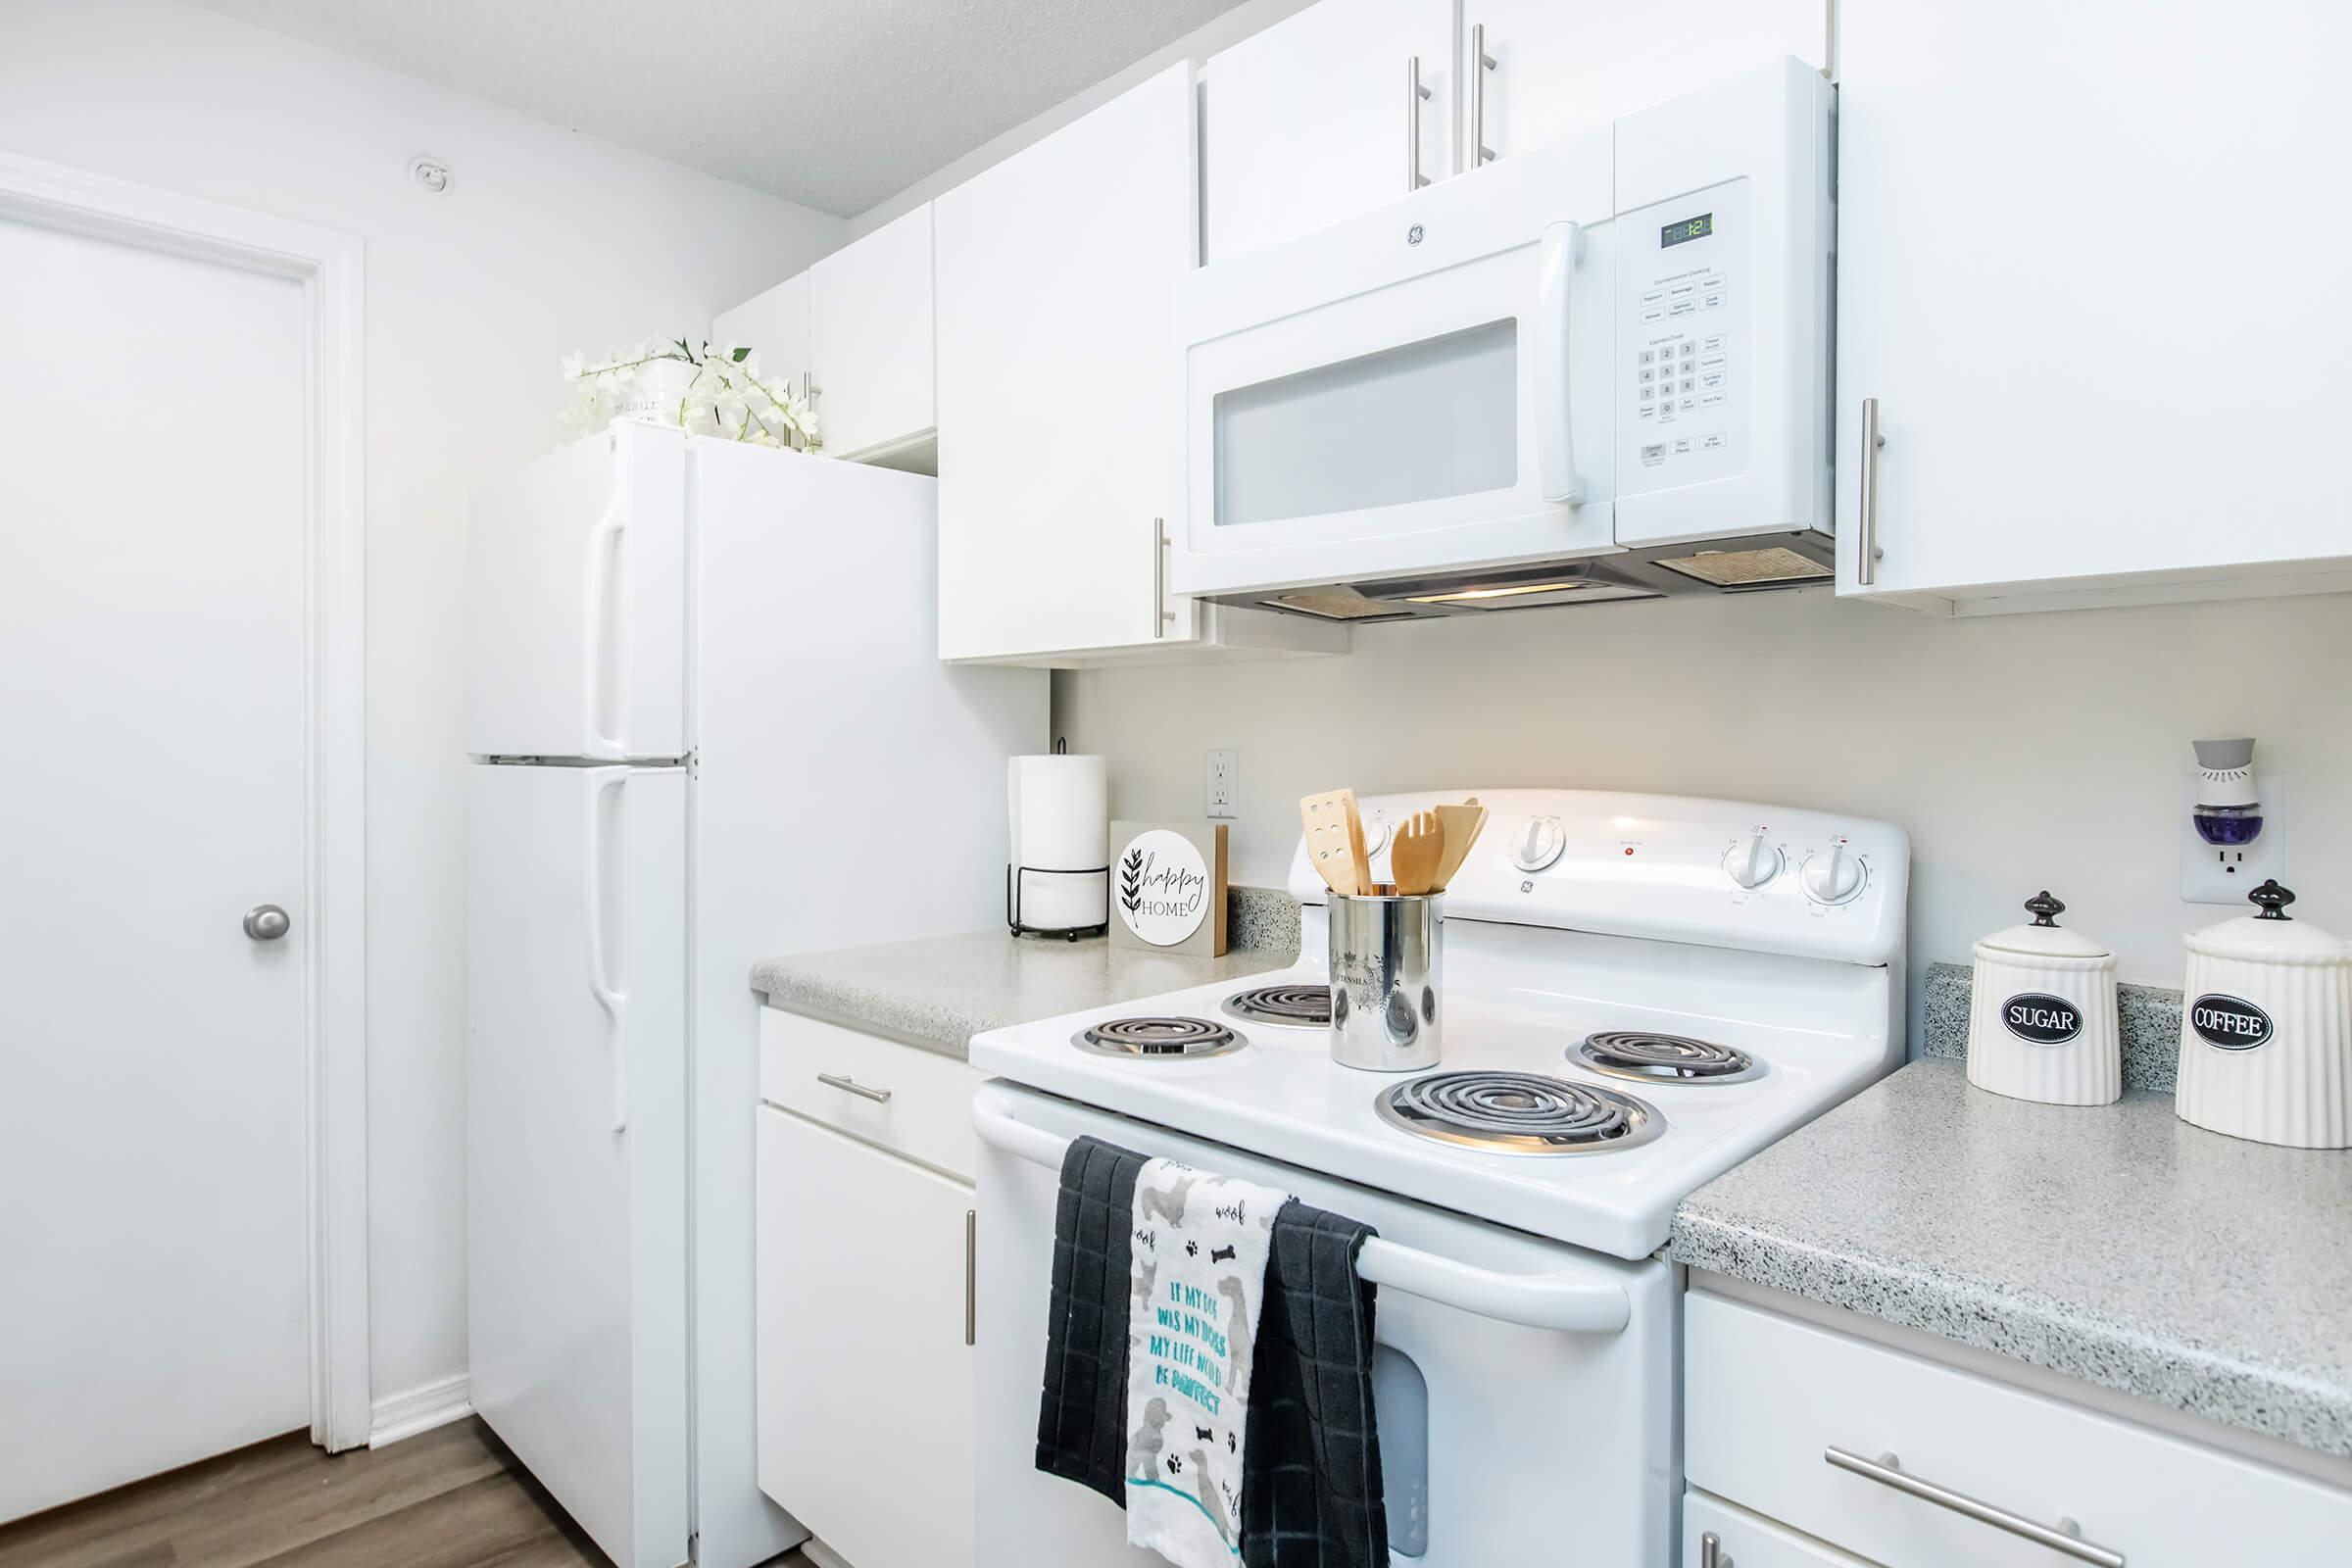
x=266, y=922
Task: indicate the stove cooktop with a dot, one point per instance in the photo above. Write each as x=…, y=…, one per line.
x=1276, y=1092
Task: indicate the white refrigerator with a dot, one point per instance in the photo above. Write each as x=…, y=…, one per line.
x=706, y=725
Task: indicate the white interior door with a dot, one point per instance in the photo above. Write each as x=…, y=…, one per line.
x=153, y=1265
x=576, y=1140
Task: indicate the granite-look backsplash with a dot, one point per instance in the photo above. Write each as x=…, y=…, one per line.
x=1262, y=918
x=2147, y=1018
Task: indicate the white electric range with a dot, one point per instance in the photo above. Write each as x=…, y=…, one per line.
x=1637, y=993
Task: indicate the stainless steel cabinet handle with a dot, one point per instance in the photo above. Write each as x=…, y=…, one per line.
x=266, y=922
x=1866, y=554
x=1480, y=63
x=971, y=1277
x=1711, y=1552
x=851, y=1085
x=1161, y=615
x=1414, y=96
x=2065, y=1538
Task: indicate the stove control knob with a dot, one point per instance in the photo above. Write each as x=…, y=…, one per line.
x=1753, y=861
x=1376, y=833
x=1832, y=875
x=1539, y=844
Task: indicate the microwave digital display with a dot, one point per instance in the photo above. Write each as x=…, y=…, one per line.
x=1698, y=227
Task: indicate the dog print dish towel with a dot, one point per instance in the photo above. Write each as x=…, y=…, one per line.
x=1198, y=1263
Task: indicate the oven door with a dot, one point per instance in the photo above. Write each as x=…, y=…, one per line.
x=1500, y=1443
x=1423, y=388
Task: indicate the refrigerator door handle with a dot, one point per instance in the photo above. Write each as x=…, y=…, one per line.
x=600, y=985
x=602, y=539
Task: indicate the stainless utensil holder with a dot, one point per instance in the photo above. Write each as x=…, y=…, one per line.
x=1387, y=985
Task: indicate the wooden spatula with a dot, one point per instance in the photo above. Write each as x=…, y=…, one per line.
x=1416, y=852
x=1461, y=825
x=1334, y=841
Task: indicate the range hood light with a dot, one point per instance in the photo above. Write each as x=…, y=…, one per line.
x=1506, y=591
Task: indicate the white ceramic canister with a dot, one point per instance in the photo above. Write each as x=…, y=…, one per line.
x=2266, y=1029
x=2041, y=1021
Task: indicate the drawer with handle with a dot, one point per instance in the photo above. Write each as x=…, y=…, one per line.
x=1902, y=1459
x=1717, y=1535
x=901, y=1096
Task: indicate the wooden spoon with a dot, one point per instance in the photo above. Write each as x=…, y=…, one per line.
x=1462, y=824
x=1333, y=839
x=1416, y=852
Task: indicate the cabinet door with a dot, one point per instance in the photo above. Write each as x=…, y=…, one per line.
x=1058, y=433
x=1309, y=121
x=1562, y=66
x=865, y=1376
x=2091, y=277
x=870, y=339
x=776, y=323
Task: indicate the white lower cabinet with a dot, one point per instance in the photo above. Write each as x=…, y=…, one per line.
x=1716, y=1534
x=865, y=1318
x=1898, y=1459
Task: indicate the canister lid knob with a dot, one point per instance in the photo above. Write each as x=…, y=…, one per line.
x=2044, y=908
x=2273, y=899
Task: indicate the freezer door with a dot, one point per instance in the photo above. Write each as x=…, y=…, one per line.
x=576, y=602
x=576, y=1140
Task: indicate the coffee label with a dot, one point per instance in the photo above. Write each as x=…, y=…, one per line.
x=2230, y=1022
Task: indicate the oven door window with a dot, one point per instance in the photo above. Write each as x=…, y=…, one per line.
x=1400, y=1402
x=1424, y=421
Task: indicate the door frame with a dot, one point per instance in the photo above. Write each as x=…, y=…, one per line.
x=327, y=264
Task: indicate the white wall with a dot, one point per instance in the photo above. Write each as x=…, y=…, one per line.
x=2020, y=752
x=548, y=242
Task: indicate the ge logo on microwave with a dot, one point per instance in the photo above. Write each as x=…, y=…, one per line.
x=1412, y=235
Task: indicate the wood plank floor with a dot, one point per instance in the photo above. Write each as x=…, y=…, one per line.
x=451, y=1499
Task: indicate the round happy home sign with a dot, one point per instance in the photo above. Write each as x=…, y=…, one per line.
x=1160, y=887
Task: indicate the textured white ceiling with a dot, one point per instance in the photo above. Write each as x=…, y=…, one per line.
x=834, y=103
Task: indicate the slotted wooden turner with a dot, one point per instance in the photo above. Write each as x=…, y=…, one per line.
x=1334, y=841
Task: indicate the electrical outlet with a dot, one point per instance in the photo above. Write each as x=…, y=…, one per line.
x=2214, y=875
x=1224, y=783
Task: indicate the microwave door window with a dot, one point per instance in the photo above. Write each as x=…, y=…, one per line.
x=1430, y=419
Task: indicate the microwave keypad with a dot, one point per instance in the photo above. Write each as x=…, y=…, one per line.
x=1679, y=381
x=1682, y=331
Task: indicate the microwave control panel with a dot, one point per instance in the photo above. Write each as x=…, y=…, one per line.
x=1683, y=313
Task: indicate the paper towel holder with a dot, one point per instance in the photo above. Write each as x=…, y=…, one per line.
x=1013, y=879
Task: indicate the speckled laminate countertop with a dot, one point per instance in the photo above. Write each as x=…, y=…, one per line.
x=2117, y=1243
x=939, y=992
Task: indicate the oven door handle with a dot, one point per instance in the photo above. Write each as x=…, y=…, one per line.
x=1570, y=1305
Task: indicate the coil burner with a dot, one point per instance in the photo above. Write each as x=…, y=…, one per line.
x=1158, y=1039
x=1655, y=1058
x=1519, y=1113
x=1291, y=1007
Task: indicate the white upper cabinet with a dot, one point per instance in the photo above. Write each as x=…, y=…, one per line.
x=776, y=323
x=1061, y=438
x=855, y=332
x=2094, y=279
x=1561, y=66
x=1315, y=120
x=870, y=343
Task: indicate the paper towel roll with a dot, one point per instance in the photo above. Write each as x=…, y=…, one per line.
x=1060, y=809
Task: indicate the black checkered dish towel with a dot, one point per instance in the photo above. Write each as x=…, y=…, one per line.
x=1311, y=1488
x=1082, y=1423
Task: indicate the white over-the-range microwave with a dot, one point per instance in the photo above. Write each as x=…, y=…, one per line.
x=1601, y=370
